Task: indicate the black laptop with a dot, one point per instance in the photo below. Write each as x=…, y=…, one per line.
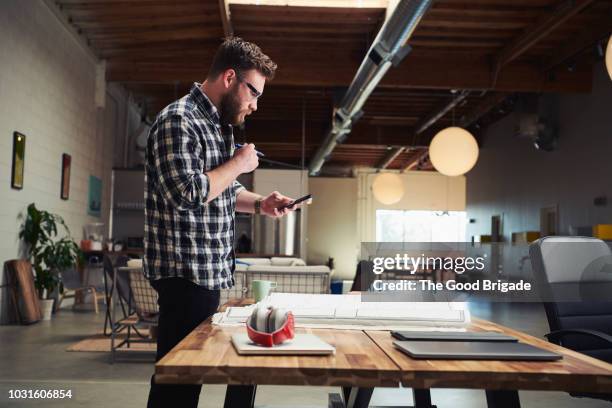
x=451, y=336
x=474, y=350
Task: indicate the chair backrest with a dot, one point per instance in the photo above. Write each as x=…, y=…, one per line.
x=314, y=281
x=562, y=262
x=71, y=278
x=144, y=296
x=237, y=291
x=122, y=283
x=363, y=276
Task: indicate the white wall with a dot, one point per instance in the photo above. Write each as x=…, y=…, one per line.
x=515, y=180
x=47, y=86
x=332, y=224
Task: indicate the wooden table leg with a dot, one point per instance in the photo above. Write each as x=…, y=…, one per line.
x=503, y=399
x=355, y=397
x=240, y=396
x=422, y=398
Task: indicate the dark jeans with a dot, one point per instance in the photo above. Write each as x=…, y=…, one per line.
x=183, y=305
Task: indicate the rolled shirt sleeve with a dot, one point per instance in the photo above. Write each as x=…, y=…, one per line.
x=178, y=157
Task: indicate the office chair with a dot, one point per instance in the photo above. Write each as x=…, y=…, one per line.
x=576, y=268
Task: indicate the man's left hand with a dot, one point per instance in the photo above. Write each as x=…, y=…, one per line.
x=270, y=205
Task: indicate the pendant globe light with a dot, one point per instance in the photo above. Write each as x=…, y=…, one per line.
x=609, y=57
x=388, y=188
x=453, y=151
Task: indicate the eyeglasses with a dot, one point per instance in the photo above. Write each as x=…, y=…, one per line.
x=254, y=92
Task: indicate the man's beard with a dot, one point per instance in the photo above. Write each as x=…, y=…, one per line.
x=230, y=108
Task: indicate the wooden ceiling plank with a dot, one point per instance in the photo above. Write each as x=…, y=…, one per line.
x=150, y=5
x=469, y=8
x=117, y=25
x=328, y=29
x=565, y=11
x=143, y=18
x=443, y=32
x=458, y=21
x=455, y=42
x=312, y=11
x=107, y=3
x=147, y=38
x=172, y=32
x=143, y=12
x=498, y=3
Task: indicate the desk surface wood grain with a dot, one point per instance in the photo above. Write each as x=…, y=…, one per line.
x=206, y=356
x=575, y=372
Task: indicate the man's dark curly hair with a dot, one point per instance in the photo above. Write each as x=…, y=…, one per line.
x=241, y=56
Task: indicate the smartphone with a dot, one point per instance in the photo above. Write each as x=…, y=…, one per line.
x=294, y=202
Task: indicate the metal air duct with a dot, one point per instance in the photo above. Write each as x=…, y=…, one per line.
x=387, y=49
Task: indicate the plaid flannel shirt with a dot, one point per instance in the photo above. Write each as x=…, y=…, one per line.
x=184, y=235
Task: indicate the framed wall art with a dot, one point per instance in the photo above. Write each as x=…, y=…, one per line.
x=65, y=189
x=94, y=206
x=18, y=166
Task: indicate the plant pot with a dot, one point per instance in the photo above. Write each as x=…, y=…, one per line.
x=46, y=308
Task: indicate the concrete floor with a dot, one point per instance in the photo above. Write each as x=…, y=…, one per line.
x=34, y=357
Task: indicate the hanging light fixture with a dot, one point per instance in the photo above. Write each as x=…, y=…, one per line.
x=609, y=57
x=453, y=151
x=388, y=188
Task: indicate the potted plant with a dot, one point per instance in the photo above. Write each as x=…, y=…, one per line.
x=48, y=254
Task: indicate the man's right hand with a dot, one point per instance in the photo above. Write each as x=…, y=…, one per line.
x=246, y=158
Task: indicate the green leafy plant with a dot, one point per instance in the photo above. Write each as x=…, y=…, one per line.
x=48, y=254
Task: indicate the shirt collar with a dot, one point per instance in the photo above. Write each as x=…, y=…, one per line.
x=204, y=103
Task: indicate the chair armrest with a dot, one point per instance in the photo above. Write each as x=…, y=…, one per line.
x=559, y=334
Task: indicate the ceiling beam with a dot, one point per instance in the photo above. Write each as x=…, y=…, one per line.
x=564, y=11
x=416, y=160
x=389, y=120
x=423, y=125
x=274, y=131
x=424, y=73
x=432, y=118
x=486, y=104
x=390, y=157
x=586, y=38
x=226, y=21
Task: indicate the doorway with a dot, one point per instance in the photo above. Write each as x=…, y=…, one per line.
x=549, y=221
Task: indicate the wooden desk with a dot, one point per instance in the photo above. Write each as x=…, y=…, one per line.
x=365, y=360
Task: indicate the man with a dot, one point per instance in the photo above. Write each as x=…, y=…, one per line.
x=191, y=195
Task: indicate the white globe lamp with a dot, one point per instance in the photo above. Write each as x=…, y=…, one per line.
x=453, y=151
x=388, y=188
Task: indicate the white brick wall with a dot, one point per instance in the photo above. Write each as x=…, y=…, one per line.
x=47, y=93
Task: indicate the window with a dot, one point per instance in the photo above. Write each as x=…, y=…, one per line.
x=420, y=226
